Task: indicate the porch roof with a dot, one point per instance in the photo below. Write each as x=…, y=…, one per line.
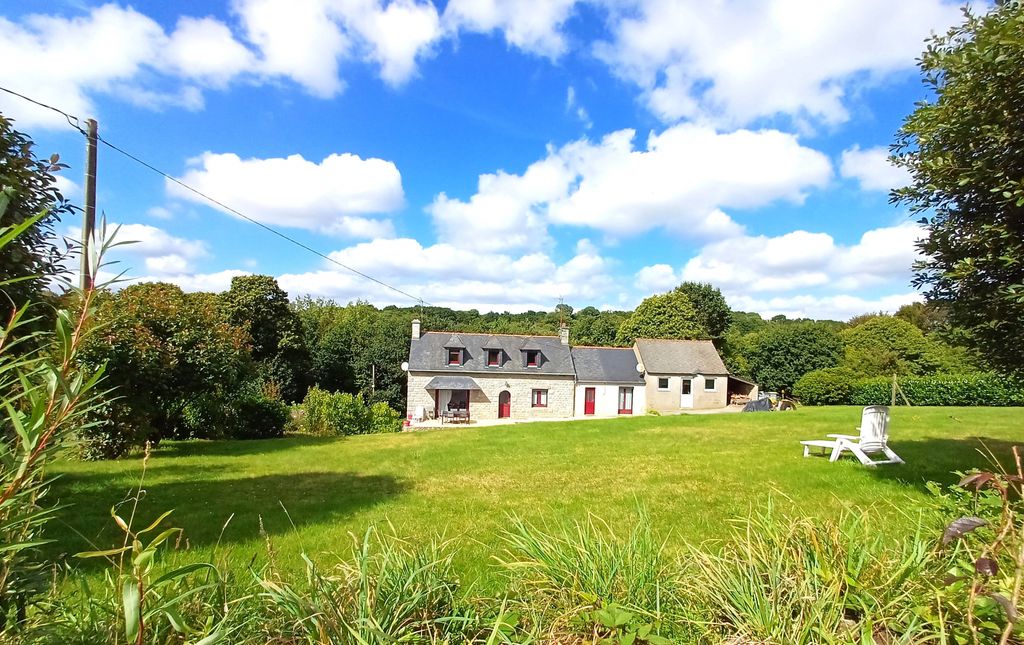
x=452, y=383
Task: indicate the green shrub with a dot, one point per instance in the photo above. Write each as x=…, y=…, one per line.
x=384, y=418
x=256, y=416
x=330, y=414
x=829, y=386
x=949, y=389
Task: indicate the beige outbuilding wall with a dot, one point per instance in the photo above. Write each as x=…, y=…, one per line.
x=671, y=399
x=483, y=403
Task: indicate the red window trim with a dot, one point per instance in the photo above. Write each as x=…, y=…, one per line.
x=536, y=357
x=535, y=398
x=458, y=356
x=496, y=354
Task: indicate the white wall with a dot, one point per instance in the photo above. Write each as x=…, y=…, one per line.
x=606, y=401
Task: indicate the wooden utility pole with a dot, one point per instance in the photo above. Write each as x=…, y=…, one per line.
x=89, y=214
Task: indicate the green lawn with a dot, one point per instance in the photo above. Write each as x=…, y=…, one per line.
x=692, y=473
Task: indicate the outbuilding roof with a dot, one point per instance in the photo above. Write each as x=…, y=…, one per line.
x=606, y=365
x=428, y=353
x=680, y=356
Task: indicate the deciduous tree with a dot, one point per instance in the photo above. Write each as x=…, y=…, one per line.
x=963, y=150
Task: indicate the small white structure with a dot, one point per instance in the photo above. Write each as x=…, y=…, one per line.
x=873, y=439
x=609, y=382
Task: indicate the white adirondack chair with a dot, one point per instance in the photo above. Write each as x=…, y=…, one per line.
x=873, y=439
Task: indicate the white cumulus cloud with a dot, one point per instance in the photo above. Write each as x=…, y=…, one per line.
x=533, y=26
x=330, y=196
x=681, y=180
x=734, y=61
x=871, y=168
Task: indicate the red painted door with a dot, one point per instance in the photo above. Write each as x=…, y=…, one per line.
x=589, y=397
x=504, y=405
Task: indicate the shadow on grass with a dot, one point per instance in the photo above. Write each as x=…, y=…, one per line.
x=936, y=458
x=202, y=506
x=234, y=447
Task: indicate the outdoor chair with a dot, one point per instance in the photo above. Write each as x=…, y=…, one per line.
x=873, y=439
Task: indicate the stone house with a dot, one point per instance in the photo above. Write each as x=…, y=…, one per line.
x=490, y=376
x=493, y=376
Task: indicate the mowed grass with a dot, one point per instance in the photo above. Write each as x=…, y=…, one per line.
x=692, y=473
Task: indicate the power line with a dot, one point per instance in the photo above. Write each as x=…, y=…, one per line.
x=74, y=122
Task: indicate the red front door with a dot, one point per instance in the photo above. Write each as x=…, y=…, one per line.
x=589, y=396
x=504, y=405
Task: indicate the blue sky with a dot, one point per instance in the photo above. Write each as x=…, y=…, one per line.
x=494, y=154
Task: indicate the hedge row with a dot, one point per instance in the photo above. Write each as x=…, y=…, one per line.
x=837, y=387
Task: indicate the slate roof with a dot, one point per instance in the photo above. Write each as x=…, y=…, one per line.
x=428, y=353
x=606, y=365
x=680, y=356
x=453, y=382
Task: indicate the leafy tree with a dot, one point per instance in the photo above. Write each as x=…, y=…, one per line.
x=173, y=360
x=256, y=304
x=887, y=345
x=927, y=317
x=780, y=354
x=669, y=315
x=744, y=322
x=962, y=149
x=28, y=187
x=713, y=313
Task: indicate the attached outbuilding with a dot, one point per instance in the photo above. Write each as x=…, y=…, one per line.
x=682, y=374
x=608, y=382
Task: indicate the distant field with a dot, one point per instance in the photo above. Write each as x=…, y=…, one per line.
x=692, y=474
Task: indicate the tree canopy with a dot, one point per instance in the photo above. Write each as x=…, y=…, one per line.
x=713, y=313
x=669, y=315
x=963, y=151
x=28, y=186
x=780, y=354
x=256, y=304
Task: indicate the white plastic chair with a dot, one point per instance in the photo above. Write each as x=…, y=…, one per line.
x=419, y=414
x=873, y=439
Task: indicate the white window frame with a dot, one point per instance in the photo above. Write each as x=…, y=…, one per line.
x=667, y=382
x=714, y=384
x=539, y=398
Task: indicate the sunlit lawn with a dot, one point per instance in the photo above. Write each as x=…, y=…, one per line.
x=692, y=474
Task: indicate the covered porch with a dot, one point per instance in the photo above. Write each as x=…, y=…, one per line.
x=451, y=396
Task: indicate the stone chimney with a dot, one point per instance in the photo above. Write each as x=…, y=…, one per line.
x=416, y=329
x=563, y=334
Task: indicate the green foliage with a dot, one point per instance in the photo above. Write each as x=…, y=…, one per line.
x=29, y=190
x=257, y=305
x=175, y=363
x=887, y=345
x=961, y=149
x=389, y=591
x=945, y=389
x=45, y=394
x=669, y=315
x=153, y=598
x=829, y=386
x=781, y=353
x=384, y=418
x=795, y=580
x=253, y=415
x=331, y=414
x=927, y=317
x=713, y=314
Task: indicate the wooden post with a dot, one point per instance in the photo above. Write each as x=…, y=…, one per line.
x=89, y=214
x=892, y=401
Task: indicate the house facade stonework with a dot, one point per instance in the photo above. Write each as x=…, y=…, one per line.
x=465, y=376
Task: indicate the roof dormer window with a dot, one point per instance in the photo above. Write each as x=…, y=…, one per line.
x=494, y=358
x=532, y=357
x=454, y=356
